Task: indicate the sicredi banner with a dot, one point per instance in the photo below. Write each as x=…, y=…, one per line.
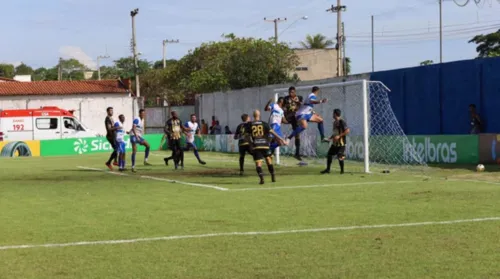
x=80, y=146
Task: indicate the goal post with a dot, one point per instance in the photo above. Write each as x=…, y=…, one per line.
x=376, y=138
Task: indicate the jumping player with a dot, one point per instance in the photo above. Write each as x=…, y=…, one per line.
x=174, y=129
x=258, y=133
x=306, y=114
x=111, y=137
x=120, y=141
x=276, y=118
x=136, y=138
x=340, y=131
x=192, y=129
x=292, y=103
x=243, y=144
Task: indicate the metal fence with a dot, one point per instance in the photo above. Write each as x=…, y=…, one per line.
x=157, y=116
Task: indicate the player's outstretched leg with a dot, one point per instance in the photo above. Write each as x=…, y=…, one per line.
x=146, y=152
x=318, y=119
x=134, y=152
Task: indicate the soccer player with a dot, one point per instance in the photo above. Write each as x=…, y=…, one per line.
x=306, y=114
x=174, y=129
x=258, y=133
x=292, y=103
x=111, y=137
x=136, y=138
x=120, y=141
x=276, y=117
x=192, y=129
x=340, y=131
x=243, y=144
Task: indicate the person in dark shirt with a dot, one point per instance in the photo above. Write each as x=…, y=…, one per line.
x=340, y=131
x=475, y=120
x=243, y=144
x=258, y=134
x=292, y=103
x=111, y=137
x=174, y=130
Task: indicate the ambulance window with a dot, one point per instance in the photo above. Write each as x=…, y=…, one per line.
x=46, y=123
x=69, y=123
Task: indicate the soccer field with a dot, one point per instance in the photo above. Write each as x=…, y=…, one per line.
x=67, y=217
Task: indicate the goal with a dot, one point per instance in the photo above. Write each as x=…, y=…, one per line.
x=376, y=139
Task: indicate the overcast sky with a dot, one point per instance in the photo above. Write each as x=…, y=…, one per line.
x=38, y=32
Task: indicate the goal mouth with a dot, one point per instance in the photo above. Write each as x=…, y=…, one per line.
x=376, y=140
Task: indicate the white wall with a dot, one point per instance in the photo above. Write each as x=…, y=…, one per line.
x=90, y=109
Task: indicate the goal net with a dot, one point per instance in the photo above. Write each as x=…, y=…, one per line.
x=376, y=140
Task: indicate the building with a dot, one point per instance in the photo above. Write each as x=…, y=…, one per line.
x=22, y=78
x=2, y=79
x=316, y=63
x=88, y=99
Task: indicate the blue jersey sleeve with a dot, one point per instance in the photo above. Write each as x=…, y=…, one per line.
x=271, y=106
x=186, y=124
x=313, y=98
x=117, y=124
x=136, y=121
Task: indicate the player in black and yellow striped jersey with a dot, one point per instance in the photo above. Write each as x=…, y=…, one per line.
x=258, y=134
x=243, y=144
x=340, y=131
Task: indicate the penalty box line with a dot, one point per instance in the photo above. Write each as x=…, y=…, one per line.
x=158, y=179
x=254, y=233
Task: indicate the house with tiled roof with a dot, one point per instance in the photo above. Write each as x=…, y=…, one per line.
x=88, y=99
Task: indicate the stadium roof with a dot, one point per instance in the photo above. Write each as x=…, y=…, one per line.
x=64, y=87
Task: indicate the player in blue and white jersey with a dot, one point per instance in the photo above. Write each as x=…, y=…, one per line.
x=136, y=138
x=306, y=114
x=120, y=141
x=275, y=119
x=192, y=129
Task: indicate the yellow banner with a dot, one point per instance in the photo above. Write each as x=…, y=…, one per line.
x=30, y=148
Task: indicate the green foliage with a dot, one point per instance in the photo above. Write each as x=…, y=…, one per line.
x=126, y=66
x=24, y=69
x=487, y=45
x=426, y=62
x=159, y=64
x=317, y=41
x=7, y=70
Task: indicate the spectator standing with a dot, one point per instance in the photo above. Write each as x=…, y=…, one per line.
x=475, y=120
x=204, y=127
x=217, y=128
x=227, y=131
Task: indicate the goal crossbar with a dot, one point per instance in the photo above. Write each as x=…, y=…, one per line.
x=339, y=84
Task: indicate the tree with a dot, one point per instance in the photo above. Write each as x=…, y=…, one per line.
x=317, y=41
x=426, y=62
x=487, y=45
x=347, y=66
x=72, y=69
x=159, y=64
x=7, y=70
x=24, y=69
x=126, y=66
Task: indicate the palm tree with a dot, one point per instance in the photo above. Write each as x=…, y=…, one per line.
x=317, y=41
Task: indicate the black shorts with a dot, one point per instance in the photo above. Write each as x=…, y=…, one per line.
x=112, y=142
x=261, y=154
x=245, y=149
x=174, y=145
x=338, y=151
x=292, y=120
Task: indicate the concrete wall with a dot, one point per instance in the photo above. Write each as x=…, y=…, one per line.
x=157, y=116
x=90, y=109
x=316, y=64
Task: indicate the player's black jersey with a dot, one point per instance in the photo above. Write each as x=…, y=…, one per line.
x=259, y=132
x=339, y=127
x=173, y=128
x=240, y=134
x=291, y=106
x=108, y=122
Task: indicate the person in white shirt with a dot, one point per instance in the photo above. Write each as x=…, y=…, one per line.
x=275, y=119
x=120, y=141
x=136, y=138
x=306, y=114
x=192, y=129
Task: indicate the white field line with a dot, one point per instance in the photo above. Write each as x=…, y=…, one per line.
x=229, y=234
x=325, y=185
x=159, y=179
x=474, y=181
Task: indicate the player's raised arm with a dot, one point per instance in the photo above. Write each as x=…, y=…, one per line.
x=314, y=100
x=268, y=105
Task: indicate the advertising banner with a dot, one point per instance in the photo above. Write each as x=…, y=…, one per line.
x=28, y=148
x=448, y=149
x=80, y=146
x=489, y=149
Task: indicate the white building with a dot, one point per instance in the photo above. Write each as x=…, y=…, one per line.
x=22, y=78
x=88, y=99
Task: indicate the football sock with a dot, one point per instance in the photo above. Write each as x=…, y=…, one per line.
x=341, y=164
x=329, y=160
x=133, y=160
x=321, y=129
x=296, y=132
x=242, y=162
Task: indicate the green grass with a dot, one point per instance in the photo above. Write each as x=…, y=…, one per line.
x=50, y=200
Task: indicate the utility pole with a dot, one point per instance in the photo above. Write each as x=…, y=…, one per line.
x=338, y=9
x=344, y=58
x=440, y=31
x=373, y=44
x=99, y=65
x=59, y=70
x=275, y=21
x=165, y=42
x=133, y=13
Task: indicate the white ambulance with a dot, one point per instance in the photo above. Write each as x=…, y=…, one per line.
x=41, y=124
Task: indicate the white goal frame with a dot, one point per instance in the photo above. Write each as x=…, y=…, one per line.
x=366, y=122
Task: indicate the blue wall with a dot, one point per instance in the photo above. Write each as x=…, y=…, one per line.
x=434, y=99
